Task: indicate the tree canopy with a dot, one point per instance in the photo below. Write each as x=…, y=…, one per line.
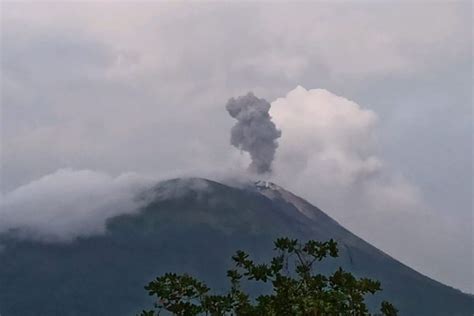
x=296, y=288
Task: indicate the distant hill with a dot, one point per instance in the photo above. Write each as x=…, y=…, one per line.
x=195, y=225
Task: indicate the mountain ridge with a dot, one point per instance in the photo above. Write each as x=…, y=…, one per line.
x=194, y=225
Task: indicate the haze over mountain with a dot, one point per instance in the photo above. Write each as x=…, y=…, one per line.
x=115, y=87
x=361, y=108
x=193, y=225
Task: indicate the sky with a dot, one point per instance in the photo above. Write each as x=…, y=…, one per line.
x=373, y=101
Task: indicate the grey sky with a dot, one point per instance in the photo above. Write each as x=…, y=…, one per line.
x=118, y=87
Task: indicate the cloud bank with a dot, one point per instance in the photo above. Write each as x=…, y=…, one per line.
x=328, y=154
x=69, y=203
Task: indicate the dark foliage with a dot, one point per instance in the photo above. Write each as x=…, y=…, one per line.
x=297, y=290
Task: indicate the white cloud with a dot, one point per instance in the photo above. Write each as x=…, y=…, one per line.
x=327, y=154
x=326, y=137
x=69, y=203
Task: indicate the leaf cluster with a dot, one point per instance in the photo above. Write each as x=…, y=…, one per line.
x=297, y=290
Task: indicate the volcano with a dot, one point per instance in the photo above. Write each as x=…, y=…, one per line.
x=195, y=225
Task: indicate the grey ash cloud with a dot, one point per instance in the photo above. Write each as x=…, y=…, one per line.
x=254, y=131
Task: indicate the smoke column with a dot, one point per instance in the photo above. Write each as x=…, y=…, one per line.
x=254, y=131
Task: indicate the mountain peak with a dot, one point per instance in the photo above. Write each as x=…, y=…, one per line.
x=266, y=185
x=194, y=225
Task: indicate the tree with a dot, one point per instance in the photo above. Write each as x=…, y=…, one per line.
x=297, y=290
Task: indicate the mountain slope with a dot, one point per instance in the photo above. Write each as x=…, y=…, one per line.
x=194, y=226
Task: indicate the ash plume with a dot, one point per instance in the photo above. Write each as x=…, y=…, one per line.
x=254, y=131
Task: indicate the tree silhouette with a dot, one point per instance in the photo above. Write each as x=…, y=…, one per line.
x=297, y=290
